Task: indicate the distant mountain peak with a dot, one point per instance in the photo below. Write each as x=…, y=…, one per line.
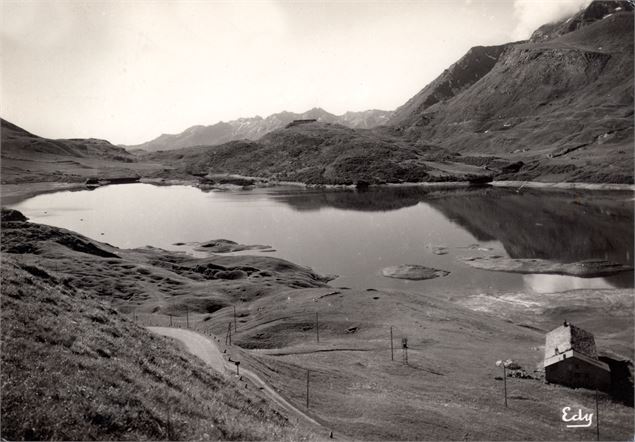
x=596, y=10
x=252, y=128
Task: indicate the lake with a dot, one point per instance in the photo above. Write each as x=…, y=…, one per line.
x=355, y=234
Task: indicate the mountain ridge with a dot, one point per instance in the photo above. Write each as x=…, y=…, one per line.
x=555, y=109
x=252, y=128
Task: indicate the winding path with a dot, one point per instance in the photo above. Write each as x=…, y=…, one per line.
x=206, y=349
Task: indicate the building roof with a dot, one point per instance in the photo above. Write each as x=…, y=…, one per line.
x=569, y=337
x=572, y=354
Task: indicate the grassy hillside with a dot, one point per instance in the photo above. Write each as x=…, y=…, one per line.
x=28, y=158
x=450, y=389
x=84, y=365
x=323, y=153
x=150, y=279
x=75, y=368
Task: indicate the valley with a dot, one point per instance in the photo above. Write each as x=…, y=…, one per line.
x=447, y=389
x=366, y=273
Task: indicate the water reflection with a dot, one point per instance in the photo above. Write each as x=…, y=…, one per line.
x=561, y=283
x=355, y=234
x=562, y=225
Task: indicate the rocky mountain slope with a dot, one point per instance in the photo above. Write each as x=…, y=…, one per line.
x=562, y=102
x=558, y=107
x=255, y=127
x=555, y=108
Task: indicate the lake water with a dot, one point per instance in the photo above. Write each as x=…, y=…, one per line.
x=356, y=234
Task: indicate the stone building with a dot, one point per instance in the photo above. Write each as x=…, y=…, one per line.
x=299, y=122
x=571, y=359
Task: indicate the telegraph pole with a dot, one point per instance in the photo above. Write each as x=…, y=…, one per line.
x=597, y=416
x=317, y=327
x=392, y=350
x=228, y=336
x=235, y=326
x=505, y=382
x=404, y=346
x=307, y=388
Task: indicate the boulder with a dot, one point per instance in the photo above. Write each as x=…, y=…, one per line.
x=11, y=215
x=413, y=271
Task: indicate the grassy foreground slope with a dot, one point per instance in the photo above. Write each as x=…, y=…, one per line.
x=74, y=368
x=450, y=389
x=68, y=356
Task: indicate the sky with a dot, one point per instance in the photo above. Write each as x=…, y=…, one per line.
x=128, y=71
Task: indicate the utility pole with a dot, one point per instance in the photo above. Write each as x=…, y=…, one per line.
x=228, y=336
x=187, y=317
x=317, y=327
x=504, y=364
x=392, y=350
x=307, y=388
x=404, y=346
x=505, y=382
x=597, y=416
x=169, y=424
x=235, y=326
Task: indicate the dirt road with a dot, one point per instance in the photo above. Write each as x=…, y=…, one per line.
x=206, y=349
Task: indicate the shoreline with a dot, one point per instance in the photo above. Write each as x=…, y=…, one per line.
x=572, y=186
x=17, y=192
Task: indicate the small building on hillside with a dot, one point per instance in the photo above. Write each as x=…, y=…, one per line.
x=299, y=122
x=571, y=359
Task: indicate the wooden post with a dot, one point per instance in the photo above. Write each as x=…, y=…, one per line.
x=392, y=350
x=505, y=382
x=307, y=388
x=169, y=425
x=237, y=369
x=597, y=416
x=170, y=320
x=404, y=347
x=187, y=317
x=317, y=327
x=235, y=326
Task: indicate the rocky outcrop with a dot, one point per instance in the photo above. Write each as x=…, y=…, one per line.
x=227, y=246
x=413, y=272
x=11, y=215
x=461, y=75
x=592, y=268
